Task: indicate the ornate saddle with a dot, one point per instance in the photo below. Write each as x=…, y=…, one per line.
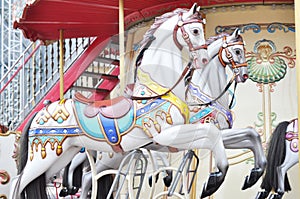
x=113, y=108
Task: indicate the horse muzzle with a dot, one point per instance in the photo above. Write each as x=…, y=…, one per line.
x=241, y=74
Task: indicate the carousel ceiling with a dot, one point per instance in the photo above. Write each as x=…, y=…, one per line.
x=42, y=19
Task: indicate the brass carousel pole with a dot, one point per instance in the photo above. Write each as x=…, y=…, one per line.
x=194, y=165
x=297, y=23
x=121, y=45
x=61, y=64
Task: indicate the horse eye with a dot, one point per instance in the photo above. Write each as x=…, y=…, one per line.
x=238, y=52
x=196, y=31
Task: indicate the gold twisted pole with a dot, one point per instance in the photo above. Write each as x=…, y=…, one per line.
x=61, y=64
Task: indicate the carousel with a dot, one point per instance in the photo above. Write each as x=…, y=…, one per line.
x=149, y=99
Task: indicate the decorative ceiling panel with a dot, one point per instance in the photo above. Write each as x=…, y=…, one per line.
x=42, y=19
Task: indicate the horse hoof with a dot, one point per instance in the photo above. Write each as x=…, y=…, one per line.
x=262, y=195
x=74, y=190
x=168, y=179
x=214, y=182
x=64, y=192
x=250, y=180
x=276, y=195
x=150, y=180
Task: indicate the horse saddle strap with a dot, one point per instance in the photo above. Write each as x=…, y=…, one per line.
x=112, y=108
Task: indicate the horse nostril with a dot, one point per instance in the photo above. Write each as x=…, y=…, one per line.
x=245, y=76
x=204, y=61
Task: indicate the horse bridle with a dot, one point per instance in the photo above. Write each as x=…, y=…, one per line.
x=229, y=55
x=180, y=25
x=234, y=65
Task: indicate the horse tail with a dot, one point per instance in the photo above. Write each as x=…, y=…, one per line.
x=275, y=157
x=104, y=185
x=36, y=188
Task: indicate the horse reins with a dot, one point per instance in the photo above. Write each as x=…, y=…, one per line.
x=184, y=72
x=219, y=96
x=234, y=66
x=180, y=25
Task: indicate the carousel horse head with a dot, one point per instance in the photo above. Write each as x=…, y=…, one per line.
x=231, y=53
x=225, y=51
x=179, y=30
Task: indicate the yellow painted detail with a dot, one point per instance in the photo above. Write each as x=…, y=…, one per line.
x=148, y=82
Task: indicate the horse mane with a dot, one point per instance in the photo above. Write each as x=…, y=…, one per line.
x=157, y=22
x=211, y=39
x=216, y=37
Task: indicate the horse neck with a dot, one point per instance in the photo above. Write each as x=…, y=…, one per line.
x=212, y=81
x=162, y=61
x=214, y=47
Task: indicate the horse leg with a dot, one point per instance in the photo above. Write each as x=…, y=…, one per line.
x=198, y=136
x=247, y=138
x=262, y=195
x=14, y=187
x=68, y=177
x=163, y=157
x=155, y=167
x=76, y=162
x=39, y=170
x=65, y=190
x=169, y=177
x=106, y=162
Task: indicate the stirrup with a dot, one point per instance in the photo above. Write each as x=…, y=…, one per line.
x=135, y=161
x=187, y=160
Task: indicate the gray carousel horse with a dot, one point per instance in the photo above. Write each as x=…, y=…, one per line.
x=282, y=155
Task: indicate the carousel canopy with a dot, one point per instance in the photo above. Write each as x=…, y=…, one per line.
x=43, y=19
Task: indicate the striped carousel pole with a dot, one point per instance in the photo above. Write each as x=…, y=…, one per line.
x=297, y=23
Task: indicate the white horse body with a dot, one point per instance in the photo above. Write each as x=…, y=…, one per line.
x=210, y=81
x=207, y=84
x=57, y=134
x=209, y=99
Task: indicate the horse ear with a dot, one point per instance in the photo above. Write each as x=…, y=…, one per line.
x=236, y=32
x=193, y=9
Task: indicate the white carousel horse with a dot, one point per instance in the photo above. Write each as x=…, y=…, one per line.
x=209, y=101
x=282, y=155
x=107, y=161
x=157, y=113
